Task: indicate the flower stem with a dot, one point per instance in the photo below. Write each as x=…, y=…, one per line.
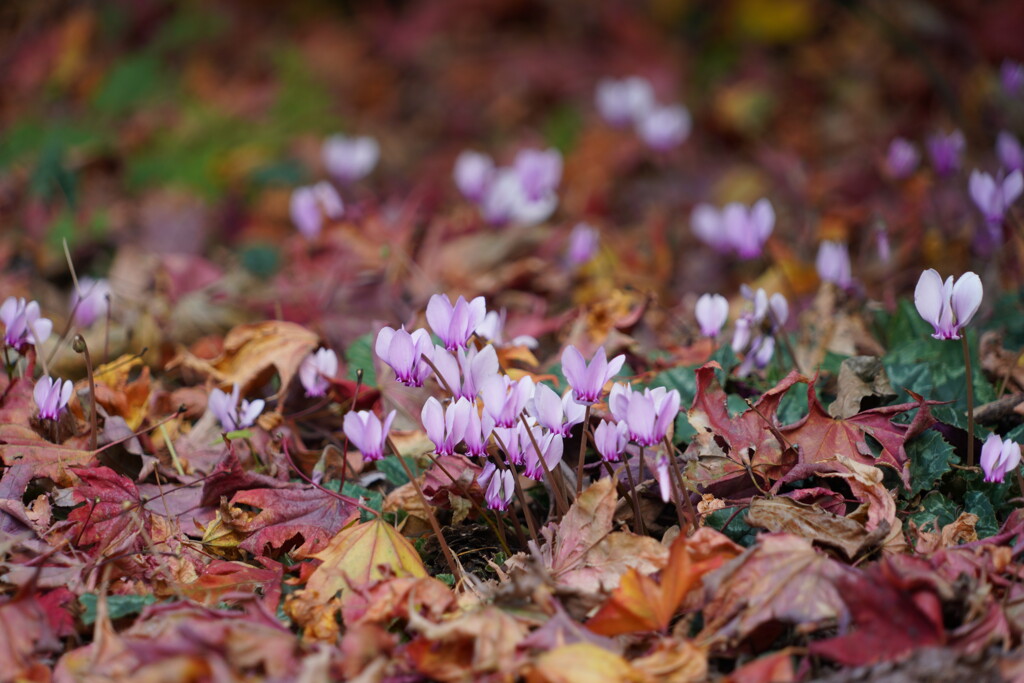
x=563, y=506
x=583, y=451
x=638, y=522
x=448, y=556
x=970, y=401
x=531, y=525
x=81, y=347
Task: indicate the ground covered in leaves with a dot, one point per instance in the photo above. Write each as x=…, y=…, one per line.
x=827, y=522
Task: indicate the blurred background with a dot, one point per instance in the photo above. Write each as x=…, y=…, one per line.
x=163, y=140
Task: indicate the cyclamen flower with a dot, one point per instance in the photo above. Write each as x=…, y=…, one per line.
x=349, y=159
x=587, y=381
x=231, y=414
x=493, y=330
x=310, y=204
x=712, y=311
x=902, y=158
x=24, y=323
x=473, y=174
x=478, y=433
x=945, y=152
x=999, y=457
x=557, y=414
x=665, y=127
x=465, y=372
x=455, y=324
x=736, y=228
x=611, y=438
x=90, y=301
x=754, y=331
x=948, y=307
x=446, y=427
x=499, y=485
x=582, y=244
x=550, y=449
x=404, y=353
x=506, y=202
x=651, y=414
x=315, y=370
x=624, y=102
x=994, y=196
x=51, y=396
x=833, y=264
x=365, y=430
x=504, y=399
x=1011, y=74
x=539, y=172
x=511, y=440
x=1008, y=148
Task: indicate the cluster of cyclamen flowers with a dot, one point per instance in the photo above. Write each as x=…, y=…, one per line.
x=735, y=228
x=521, y=194
x=630, y=102
x=754, y=331
x=514, y=425
x=346, y=160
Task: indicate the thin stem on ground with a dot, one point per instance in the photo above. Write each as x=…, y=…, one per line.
x=583, y=451
x=970, y=400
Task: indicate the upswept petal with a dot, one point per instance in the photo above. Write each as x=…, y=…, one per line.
x=574, y=367
x=928, y=297
x=432, y=417
x=439, y=315
x=966, y=298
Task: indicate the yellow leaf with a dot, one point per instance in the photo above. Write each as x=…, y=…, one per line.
x=361, y=554
x=582, y=663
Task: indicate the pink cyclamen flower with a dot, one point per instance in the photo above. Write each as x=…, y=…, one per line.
x=587, y=381
x=833, y=264
x=90, y=301
x=478, y=433
x=735, y=228
x=557, y=414
x=455, y=324
x=539, y=172
x=624, y=102
x=712, y=311
x=365, y=430
x=947, y=306
x=404, y=353
x=665, y=127
x=349, y=159
x=310, y=204
x=651, y=414
x=446, y=427
x=504, y=399
x=1008, y=148
x=550, y=445
x=24, y=324
x=582, y=244
x=499, y=485
x=315, y=371
x=945, y=152
x=511, y=440
x=232, y=414
x=465, y=372
x=995, y=195
x=611, y=438
x=1011, y=74
x=473, y=175
x=902, y=158
x=52, y=396
x=999, y=457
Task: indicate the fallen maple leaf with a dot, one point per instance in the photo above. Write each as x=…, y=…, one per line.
x=112, y=513
x=641, y=604
x=361, y=554
x=252, y=352
x=298, y=514
x=781, y=580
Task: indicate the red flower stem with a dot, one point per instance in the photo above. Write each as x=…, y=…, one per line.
x=81, y=347
x=583, y=451
x=346, y=499
x=970, y=401
x=531, y=524
x=638, y=522
x=448, y=556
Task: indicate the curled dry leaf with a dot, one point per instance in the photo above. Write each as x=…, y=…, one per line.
x=468, y=647
x=848, y=536
x=252, y=352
